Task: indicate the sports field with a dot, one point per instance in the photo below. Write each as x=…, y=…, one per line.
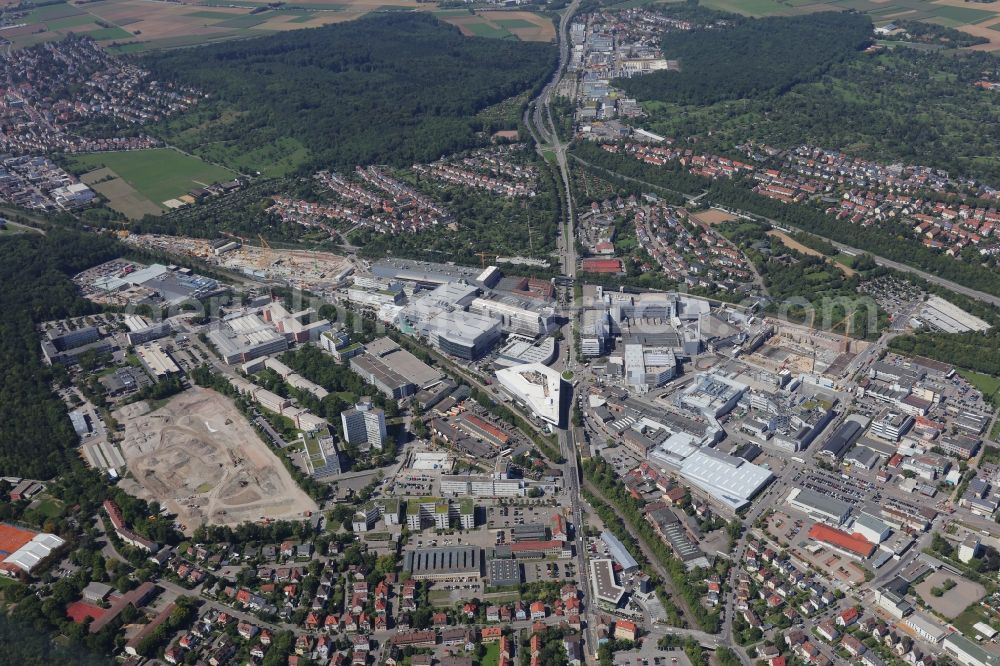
x=140, y=181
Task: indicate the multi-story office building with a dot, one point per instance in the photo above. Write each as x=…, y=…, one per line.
x=364, y=424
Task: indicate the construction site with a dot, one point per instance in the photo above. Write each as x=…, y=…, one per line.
x=200, y=459
x=302, y=269
x=801, y=349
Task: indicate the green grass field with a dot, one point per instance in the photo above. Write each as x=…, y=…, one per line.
x=748, y=7
x=487, y=30
x=962, y=15
x=492, y=656
x=514, y=24
x=246, y=21
x=104, y=34
x=69, y=22
x=221, y=16
x=970, y=616
x=985, y=384
x=49, y=507
x=52, y=12
x=158, y=174
x=911, y=10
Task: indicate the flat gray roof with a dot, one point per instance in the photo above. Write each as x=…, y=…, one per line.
x=816, y=501
x=443, y=561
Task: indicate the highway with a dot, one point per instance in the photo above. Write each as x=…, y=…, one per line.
x=538, y=118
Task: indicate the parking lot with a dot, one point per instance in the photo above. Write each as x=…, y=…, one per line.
x=834, y=566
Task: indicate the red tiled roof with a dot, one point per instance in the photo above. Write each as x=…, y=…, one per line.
x=853, y=543
x=528, y=546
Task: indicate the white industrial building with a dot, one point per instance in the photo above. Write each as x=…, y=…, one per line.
x=441, y=318
x=390, y=294
x=141, y=334
x=516, y=319
x=595, y=333
x=520, y=350
x=481, y=486
x=711, y=394
x=648, y=367
x=157, y=362
x=537, y=387
x=605, y=588
x=244, y=338
x=890, y=425
x=729, y=481
x=300, y=326
x=967, y=652
x=871, y=528
x=819, y=506
x=364, y=424
x=926, y=628
x=31, y=553
x=439, y=513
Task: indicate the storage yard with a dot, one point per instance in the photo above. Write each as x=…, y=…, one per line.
x=200, y=459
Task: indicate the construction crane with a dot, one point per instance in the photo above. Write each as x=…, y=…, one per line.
x=263, y=242
x=482, y=257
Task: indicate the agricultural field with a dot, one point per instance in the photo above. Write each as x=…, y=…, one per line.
x=526, y=26
x=142, y=181
x=131, y=26
x=980, y=19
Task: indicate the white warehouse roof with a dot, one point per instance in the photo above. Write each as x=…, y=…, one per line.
x=730, y=480
x=30, y=554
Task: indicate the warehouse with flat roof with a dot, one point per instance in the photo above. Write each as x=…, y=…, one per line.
x=619, y=552
x=245, y=338
x=841, y=439
x=728, y=481
x=504, y=572
x=606, y=589
x=453, y=564
x=819, y=506
x=967, y=652
x=157, y=362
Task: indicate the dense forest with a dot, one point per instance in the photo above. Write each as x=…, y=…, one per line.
x=751, y=58
x=35, y=432
x=393, y=88
x=975, y=351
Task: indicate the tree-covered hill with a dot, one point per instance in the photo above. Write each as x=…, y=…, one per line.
x=749, y=58
x=35, y=432
x=394, y=88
